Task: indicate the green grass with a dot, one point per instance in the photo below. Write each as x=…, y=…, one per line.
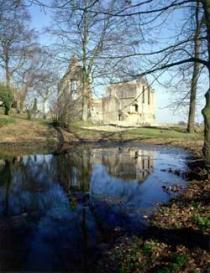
x=135, y=134
x=17, y=118
x=43, y=122
x=83, y=131
x=202, y=221
x=6, y=120
x=17, y=129
x=79, y=124
x=160, y=133
x=178, y=262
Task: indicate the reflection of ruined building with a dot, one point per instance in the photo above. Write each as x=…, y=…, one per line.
x=74, y=169
x=125, y=103
x=125, y=163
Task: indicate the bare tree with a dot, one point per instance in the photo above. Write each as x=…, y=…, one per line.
x=196, y=72
x=33, y=73
x=186, y=83
x=47, y=90
x=15, y=37
x=93, y=37
x=176, y=53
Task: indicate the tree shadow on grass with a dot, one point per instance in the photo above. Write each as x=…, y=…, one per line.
x=183, y=236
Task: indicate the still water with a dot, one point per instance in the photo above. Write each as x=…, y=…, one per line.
x=59, y=211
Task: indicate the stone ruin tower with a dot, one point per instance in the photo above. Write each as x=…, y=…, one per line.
x=70, y=91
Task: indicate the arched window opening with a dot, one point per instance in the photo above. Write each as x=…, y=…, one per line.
x=74, y=89
x=73, y=86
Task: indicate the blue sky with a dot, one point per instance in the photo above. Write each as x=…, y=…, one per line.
x=164, y=97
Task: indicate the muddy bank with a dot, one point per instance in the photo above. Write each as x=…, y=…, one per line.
x=31, y=135
x=20, y=149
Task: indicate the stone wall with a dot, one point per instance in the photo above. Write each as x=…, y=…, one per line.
x=70, y=90
x=127, y=104
x=110, y=106
x=130, y=103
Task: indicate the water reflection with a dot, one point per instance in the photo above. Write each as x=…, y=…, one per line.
x=57, y=210
x=126, y=163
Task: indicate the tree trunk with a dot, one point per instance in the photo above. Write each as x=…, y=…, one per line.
x=86, y=95
x=85, y=108
x=44, y=109
x=206, y=115
x=6, y=111
x=195, y=76
x=21, y=107
x=7, y=72
x=86, y=78
x=22, y=99
x=193, y=92
x=206, y=110
x=7, y=78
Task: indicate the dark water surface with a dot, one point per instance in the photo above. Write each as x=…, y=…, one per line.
x=58, y=212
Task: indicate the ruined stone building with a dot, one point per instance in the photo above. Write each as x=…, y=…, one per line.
x=70, y=91
x=127, y=103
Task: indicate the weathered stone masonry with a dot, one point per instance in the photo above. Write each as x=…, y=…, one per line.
x=127, y=103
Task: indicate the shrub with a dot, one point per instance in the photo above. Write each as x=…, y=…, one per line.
x=6, y=97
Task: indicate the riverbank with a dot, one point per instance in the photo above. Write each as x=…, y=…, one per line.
x=178, y=239
x=16, y=129
x=158, y=136
x=31, y=135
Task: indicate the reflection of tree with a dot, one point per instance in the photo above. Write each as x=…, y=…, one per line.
x=74, y=170
x=33, y=174
x=25, y=179
x=31, y=169
x=32, y=184
x=6, y=177
x=40, y=185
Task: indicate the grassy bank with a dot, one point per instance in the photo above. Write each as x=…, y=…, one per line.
x=173, y=136
x=93, y=132
x=16, y=129
x=34, y=134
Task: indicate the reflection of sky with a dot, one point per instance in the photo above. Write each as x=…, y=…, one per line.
x=139, y=194
x=58, y=232
x=123, y=203
x=54, y=227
